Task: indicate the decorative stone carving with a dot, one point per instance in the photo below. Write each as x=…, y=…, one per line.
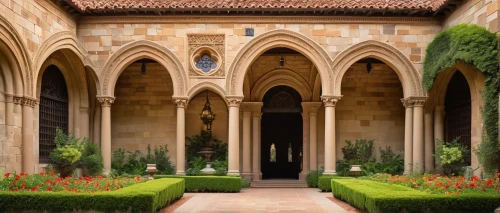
x=181, y=103
x=25, y=101
x=413, y=101
x=106, y=101
x=206, y=85
x=234, y=101
x=207, y=54
x=330, y=101
x=310, y=108
x=281, y=77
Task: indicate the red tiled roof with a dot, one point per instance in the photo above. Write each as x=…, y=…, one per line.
x=432, y=5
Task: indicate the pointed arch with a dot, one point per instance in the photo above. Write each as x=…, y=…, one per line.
x=206, y=85
x=17, y=59
x=408, y=74
x=134, y=51
x=278, y=38
x=280, y=77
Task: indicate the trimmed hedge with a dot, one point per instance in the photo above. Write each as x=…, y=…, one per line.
x=325, y=182
x=209, y=183
x=382, y=197
x=143, y=197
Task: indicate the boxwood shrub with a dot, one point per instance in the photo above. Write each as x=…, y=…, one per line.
x=325, y=182
x=209, y=183
x=143, y=197
x=382, y=197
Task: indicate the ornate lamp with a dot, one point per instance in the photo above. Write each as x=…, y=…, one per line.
x=282, y=60
x=207, y=116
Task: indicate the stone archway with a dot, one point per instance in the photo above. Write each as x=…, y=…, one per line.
x=408, y=74
x=139, y=50
x=279, y=38
x=281, y=77
x=206, y=85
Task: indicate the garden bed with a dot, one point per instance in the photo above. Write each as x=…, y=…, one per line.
x=68, y=195
x=376, y=196
x=208, y=183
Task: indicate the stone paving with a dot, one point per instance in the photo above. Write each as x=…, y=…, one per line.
x=262, y=200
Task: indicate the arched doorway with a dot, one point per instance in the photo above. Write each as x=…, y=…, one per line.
x=281, y=133
x=54, y=110
x=458, y=111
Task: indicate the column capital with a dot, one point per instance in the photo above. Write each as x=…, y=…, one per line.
x=25, y=101
x=181, y=103
x=414, y=101
x=311, y=107
x=106, y=101
x=254, y=107
x=234, y=101
x=330, y=101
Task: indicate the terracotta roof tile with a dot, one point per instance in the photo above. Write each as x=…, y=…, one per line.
x=255, y=4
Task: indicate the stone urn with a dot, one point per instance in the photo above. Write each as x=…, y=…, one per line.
x=207, y=153
x=151, y=170
x=355, y=170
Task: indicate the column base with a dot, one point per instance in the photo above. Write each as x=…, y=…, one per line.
x=256, y=176
x=233, y=172
x=330, y=172
x=406, y=173
x=246, y=175
x=302, y=176
x=180, y=173
x=105, y=173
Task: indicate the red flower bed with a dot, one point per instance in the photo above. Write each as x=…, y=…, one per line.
x=52, y=182
x=437, y=184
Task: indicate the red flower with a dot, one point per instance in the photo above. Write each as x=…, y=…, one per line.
x=17, y=177
x=22, y=174
x=472, y=185
x=6, y=175
x=474, y=178
x=489, y=183
x=34, y=189
x=49, y=188
x=42, y=173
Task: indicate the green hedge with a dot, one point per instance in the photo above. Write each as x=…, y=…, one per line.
x=143, y=197
x=325, y=182
x=382, y=197
x=209, y=183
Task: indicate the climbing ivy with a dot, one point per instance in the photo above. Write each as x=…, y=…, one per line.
x=477, y=46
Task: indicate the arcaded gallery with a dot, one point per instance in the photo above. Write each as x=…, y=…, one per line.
x=282, y=84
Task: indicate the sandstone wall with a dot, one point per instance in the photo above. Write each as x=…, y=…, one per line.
x=481, y=12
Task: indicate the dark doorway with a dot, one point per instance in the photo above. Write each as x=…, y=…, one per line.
x=458, y=111
x=281, y=150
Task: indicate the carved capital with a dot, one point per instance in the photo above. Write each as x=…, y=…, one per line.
x=25, y=101
x=106, y=101
x=330, y=101
x=406, y=103
x=181, y=103
x=234, y=101
x=414, y=101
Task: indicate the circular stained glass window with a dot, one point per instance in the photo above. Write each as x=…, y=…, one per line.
x=206, y=63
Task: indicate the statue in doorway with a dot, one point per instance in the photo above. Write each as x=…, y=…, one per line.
x=273, y=153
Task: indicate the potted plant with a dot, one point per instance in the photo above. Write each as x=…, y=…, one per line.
x=66, y=154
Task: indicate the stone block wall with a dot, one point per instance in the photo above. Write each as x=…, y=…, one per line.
x=194, y=125
x=143, y=112
x=481, y=12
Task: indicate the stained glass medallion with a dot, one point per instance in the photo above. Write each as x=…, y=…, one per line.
x=206, y=63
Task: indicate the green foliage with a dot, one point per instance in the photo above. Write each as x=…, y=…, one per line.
x=477, y=46
x=92, y=158
x=451, y=155
x=312, y=178
x=391, y=163
x=137, y=166
x=196, y=142
x=68, y=151
x=195, y=166
x=358, y=153
x=220, y=167
x=382, y=197
x=342, y=167
x=325, y=182
x=245, y=182
x=209, y=183
x=160, y=158
x=144, y=197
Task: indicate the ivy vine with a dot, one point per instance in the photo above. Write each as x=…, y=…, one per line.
x=474, y=45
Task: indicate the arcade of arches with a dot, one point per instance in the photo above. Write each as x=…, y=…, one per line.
x=286, y=99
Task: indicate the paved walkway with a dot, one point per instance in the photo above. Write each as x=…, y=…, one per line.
x=262, y=200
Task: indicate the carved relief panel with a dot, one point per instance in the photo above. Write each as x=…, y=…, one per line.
x=206, y=54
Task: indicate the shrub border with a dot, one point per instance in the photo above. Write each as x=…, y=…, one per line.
x=142, y=197
x=325, y=182
x=208, y=183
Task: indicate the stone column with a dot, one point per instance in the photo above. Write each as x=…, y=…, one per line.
x=408, y=136
x=9, y=110
x=438, y=129
x=429, y=144
x=247, y=163
x=305, y=142
x=84, y=123
x=330, y=102
x=28, y=161
x=418, y=135
x=313, y=134
x=256, y=115
x=181, y=136
x=97, y=125
x=106, y=102
x=234, y=135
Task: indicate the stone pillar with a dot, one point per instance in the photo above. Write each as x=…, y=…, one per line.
x=408, y=136
x=84, y=123
x=313, y=135
x=97, y=125
x=429, y=144
x=438, y=129
x=418, y=135
x=234, y=135
x=106, y=102
x=28, y=161
x=247, y=164
x=9, y=110
x=256, y=115
x=305, y=142
x=181, y=136
x=330, y=151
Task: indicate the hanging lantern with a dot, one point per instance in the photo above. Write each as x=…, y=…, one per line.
x=207, y=116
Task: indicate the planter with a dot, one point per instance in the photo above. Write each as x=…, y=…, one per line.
x=355, y=170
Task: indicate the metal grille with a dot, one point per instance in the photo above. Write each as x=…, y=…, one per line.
x=53, y=110
x=458, y=111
